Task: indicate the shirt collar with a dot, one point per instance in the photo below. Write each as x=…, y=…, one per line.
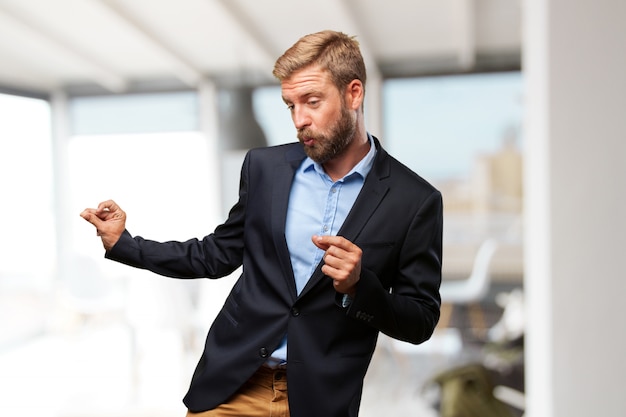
x=362, y=168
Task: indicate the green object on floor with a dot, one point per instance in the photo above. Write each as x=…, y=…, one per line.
x=467, y=391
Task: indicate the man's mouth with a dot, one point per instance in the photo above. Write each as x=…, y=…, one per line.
x=306, y=139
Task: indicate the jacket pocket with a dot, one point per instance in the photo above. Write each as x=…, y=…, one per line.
x=231, y=311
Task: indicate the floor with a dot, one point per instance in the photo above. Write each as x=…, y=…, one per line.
x=97, y=368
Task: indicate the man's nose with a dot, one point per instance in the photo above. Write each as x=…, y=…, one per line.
x=301, y=118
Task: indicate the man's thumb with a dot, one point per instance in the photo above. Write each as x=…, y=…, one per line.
x=91, y=218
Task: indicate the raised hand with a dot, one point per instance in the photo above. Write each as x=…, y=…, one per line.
x=109, y=220
x=342, y=262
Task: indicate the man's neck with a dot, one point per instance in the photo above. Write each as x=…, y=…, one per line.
x=339, y=166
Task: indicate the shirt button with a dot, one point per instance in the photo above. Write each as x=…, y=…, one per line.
x=325, y=228
x=263, y=352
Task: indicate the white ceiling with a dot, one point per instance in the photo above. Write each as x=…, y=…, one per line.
x=126, y=45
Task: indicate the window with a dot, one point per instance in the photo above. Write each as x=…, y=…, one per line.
x=27, y=247
x=463, y=134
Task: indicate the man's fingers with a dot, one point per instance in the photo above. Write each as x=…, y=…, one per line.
x=108, y=205
x=91, y=216
x=326, y=241
x=319, y=242
x=109, y=221
x=336, y=246
x=88, y=214
x=108, y=209
x=342, y=261
x=335, y=256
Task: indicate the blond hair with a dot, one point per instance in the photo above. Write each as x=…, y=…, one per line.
x=335, y=52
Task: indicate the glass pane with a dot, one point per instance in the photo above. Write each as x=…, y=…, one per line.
x=463, y=134
x=273, y=116
x=134, y=113
x=27, y=247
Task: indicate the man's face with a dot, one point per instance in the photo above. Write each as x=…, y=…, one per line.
x=325, y=125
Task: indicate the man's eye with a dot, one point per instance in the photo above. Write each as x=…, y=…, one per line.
x=290, y=107
x=314, y=102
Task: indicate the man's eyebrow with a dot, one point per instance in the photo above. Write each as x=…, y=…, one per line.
x=304, y=95
x=311, y=92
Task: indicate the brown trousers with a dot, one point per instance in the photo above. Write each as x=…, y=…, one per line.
x=263, y=395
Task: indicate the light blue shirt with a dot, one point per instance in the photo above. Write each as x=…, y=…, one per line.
x=317, y=206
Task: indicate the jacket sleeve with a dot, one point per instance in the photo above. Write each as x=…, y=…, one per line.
x=409, y=311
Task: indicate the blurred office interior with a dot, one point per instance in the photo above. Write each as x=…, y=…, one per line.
x=513, y=109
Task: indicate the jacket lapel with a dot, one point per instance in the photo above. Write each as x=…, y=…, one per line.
x=281, y=186
x=373, y=192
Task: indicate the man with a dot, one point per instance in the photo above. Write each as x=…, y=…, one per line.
x=337, y=239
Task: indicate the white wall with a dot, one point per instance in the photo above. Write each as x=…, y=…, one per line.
x=575, y=69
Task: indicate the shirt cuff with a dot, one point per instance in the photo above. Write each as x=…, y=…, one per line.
x=346, y=300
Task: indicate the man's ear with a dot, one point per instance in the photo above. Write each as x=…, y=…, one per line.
x=355, y=94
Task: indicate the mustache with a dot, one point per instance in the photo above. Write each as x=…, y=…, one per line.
x=306, y=133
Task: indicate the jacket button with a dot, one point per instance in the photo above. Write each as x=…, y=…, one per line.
x=295, y=312
x=263, y=352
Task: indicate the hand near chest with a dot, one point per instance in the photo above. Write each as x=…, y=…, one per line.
x=342, y=262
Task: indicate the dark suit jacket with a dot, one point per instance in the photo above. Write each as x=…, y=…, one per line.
x=396, y=220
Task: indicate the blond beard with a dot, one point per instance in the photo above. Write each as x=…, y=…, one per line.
x=332, y=144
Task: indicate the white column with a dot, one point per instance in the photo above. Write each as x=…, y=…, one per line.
x=209, y=126
x=575, y=187
x=62, y=209
x=373, y=105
